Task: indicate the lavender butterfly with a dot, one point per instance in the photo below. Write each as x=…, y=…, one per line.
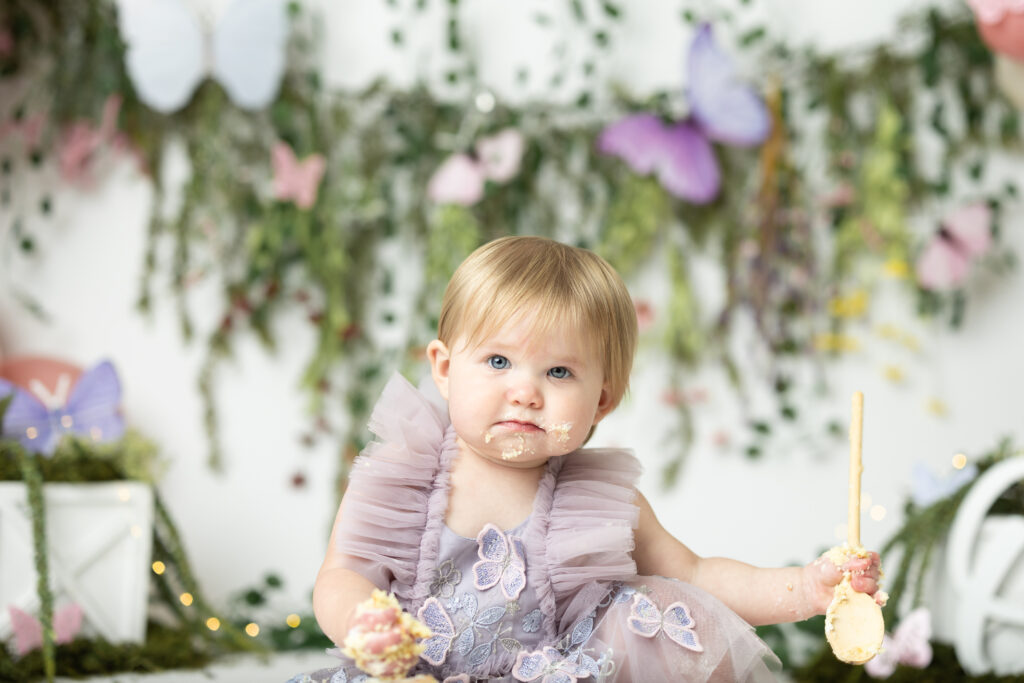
x=722, y=109
x=501, y=560
x=645, y=619
x=436, y=647
x=92, y=409
x=549, y=666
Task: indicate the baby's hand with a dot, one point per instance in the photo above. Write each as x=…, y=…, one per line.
x=822, y=576
x=382, y=640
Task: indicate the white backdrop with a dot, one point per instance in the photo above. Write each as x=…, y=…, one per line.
x=250, y=520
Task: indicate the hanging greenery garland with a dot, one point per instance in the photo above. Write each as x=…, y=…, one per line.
x=303, y=204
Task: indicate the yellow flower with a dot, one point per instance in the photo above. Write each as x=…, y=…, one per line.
x=851, y=306
x=896, y=268
x=831, y=341
x=894, y=373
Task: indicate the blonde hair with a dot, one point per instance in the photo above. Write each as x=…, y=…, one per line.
x=553, y=283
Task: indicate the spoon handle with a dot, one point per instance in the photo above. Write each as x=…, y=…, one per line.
x=856, y=432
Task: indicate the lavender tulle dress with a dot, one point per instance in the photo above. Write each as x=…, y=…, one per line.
x=556, y=599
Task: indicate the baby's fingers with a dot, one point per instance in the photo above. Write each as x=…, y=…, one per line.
x=864, y=573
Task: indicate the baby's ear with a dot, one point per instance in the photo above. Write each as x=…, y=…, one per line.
x=440, y=360
x=605, y=404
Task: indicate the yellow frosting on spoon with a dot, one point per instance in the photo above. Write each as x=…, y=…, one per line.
x=853, y=622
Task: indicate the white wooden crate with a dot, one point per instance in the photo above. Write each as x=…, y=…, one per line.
x=99, y=538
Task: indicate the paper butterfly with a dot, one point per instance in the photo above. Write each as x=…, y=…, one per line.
x=28, y=632
x=460, y=179
x=909, y=645
x=645, y=619
x=435, y=648
x=296, y=180
x=945, y=261
x=92, y=409
x=549, y=664
x=993, y=11
x=927, y=488
x=680, y=155
x=169, y=54
x=501, y=560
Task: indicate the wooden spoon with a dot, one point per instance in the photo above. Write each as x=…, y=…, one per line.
x=853, y=623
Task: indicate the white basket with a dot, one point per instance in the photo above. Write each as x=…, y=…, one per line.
x=99, y=542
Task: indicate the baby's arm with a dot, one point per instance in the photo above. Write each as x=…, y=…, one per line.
x=760, y=596
x=337, y=591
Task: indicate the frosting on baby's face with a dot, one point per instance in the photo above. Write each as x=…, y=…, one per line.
x=519, y=400
x=517, y=445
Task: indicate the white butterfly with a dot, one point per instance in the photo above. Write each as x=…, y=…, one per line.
x=169, y=52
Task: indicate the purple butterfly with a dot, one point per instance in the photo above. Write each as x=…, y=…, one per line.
x=645, y=619
x=722, y=109
x=501, y=559
x=437, y=620
x=549, y=664
x=92, y=409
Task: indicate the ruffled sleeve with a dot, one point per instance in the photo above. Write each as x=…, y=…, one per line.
x=385, y=510
x=589, y=538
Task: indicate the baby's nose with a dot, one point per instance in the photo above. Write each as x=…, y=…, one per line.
x=524, y=392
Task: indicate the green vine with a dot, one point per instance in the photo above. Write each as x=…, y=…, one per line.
x=34, y=487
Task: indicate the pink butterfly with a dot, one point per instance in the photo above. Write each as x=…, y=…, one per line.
x=28, y=632
x=460, y=179
x=645, y=619
x=501, y=559
x=908, y=646
x=945, y=261
x=296, y=180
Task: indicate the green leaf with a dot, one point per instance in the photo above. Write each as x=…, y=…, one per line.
x=752, y=36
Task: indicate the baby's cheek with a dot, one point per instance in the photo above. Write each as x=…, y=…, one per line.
x=562, y=437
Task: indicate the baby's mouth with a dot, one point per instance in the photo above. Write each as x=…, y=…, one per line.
x=519, y=426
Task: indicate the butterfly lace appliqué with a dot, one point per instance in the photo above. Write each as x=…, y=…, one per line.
x=502, y=560
x=549, y=666
x=647, y=620
x=437, y=620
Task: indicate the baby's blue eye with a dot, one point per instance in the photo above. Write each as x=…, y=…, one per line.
x=498, y=362
x=560, y=372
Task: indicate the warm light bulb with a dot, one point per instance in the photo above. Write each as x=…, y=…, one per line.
x=877, y=513
x=135, y=530
x=959, y=461
x=31, y=432
x=66, y=421
x=293, y=620
x=159, y=567
x=124, y=494
x=186, y=599
x=213, y=623
x=252, y=629
x=485, y=102
x=96, y=433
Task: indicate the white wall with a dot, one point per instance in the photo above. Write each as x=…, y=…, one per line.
x=250, y=520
